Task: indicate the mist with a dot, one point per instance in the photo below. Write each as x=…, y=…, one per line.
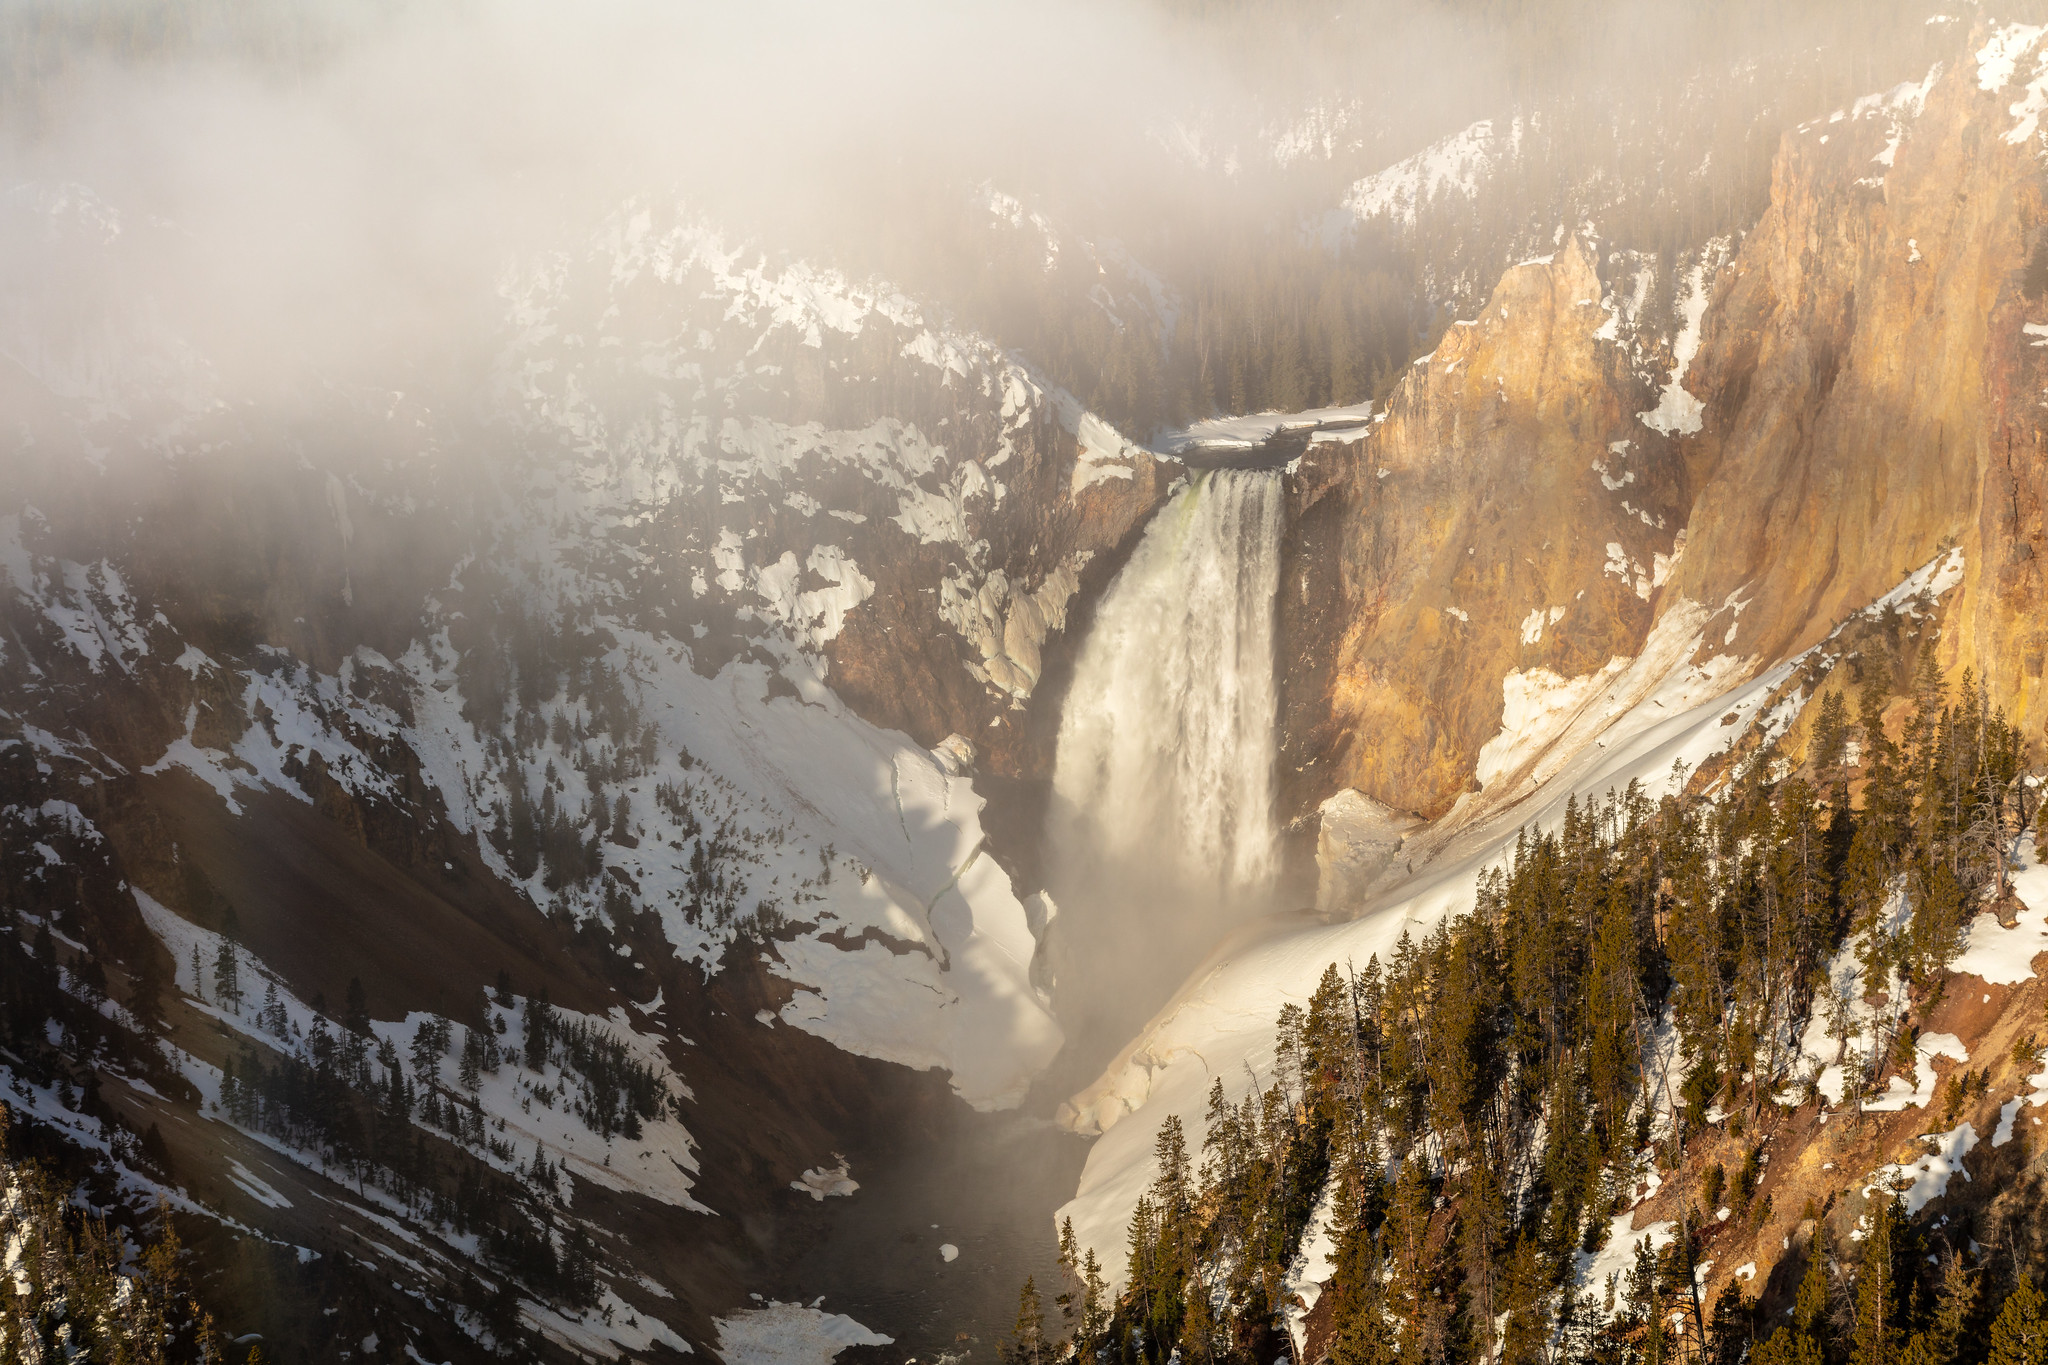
x=332, y=195
x=353, y=215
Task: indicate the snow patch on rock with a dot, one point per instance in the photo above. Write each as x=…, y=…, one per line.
x=790, y=1334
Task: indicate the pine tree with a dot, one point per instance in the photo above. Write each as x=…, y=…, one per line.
x=1831, y=738
x=1026, y=1342
x=539, y=1019
x=1936, y=932
x=1071, y=1284
x=1880, y=1295
x=146, y=989
x=1800, y=1342
x=1094, y=1297
x=1955, y=1305
x=227, y=973
x=2018, y=1335
x=471, y=1073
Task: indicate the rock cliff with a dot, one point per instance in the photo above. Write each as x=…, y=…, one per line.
x=1509, y=514
x=1870, y=383
x=1857, y=385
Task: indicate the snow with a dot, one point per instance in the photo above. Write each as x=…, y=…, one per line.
x=1626, y=569
x=2005, y=957
x=256, y=1189
x=2007, y=1112
x=1828, y=1059
x=595, y=1333
x=193, y=659
x=208, y=765
x=1449, y=169
x=1920, y=1094
x=1899, y=106
x=789, y=1334
x=1999, y=58
x=1999, y=63
x=1319, y=132
x=1313, y=1264
x=1252, y=430
x=1678, y=413
x=305, y=714
x=961, y=998
x=1926, y=1179
x=1662, y=566
x=1006, y=625
x=1617, y=1257
x=1357, y=839
x=88, y=606
x=1104, y=453
x=1536, y=620
x=2029, y=107
x=1546, y=718
x=1537, y=706
x=820, y=1183
x=661, y=1164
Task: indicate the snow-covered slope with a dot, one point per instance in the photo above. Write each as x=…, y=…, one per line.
x=617, y=638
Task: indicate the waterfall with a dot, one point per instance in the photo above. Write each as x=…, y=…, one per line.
x=1166, y=743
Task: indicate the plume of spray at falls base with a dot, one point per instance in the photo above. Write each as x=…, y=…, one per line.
x=1162, y=826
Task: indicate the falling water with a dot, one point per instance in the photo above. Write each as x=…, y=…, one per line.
x=1166, y=748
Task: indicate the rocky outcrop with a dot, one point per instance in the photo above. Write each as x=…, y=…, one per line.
x=1508, y=514
x=947, y=645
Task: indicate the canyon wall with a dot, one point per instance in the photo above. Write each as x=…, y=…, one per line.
x=1862, y=389
x=1509, y=512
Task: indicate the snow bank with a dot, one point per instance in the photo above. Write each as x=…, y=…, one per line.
x=1536, y=707
x=1252, y=430
x=790, y=1334
x=2005, y=957
x=822, y=1184
x=1546, y=718
x=1312, y=1265
x=1898, y=1094
x=1926, y=1179
x=1452, y=168
x=1596, y=1270
x=1678, y=413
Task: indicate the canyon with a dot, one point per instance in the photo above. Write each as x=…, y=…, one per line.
x=794, y=798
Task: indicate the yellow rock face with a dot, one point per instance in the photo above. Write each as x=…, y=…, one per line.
x=1871, y=394
x=1867, y=394
x=1507, y=514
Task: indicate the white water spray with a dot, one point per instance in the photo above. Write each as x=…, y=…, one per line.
x=1166, y=745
